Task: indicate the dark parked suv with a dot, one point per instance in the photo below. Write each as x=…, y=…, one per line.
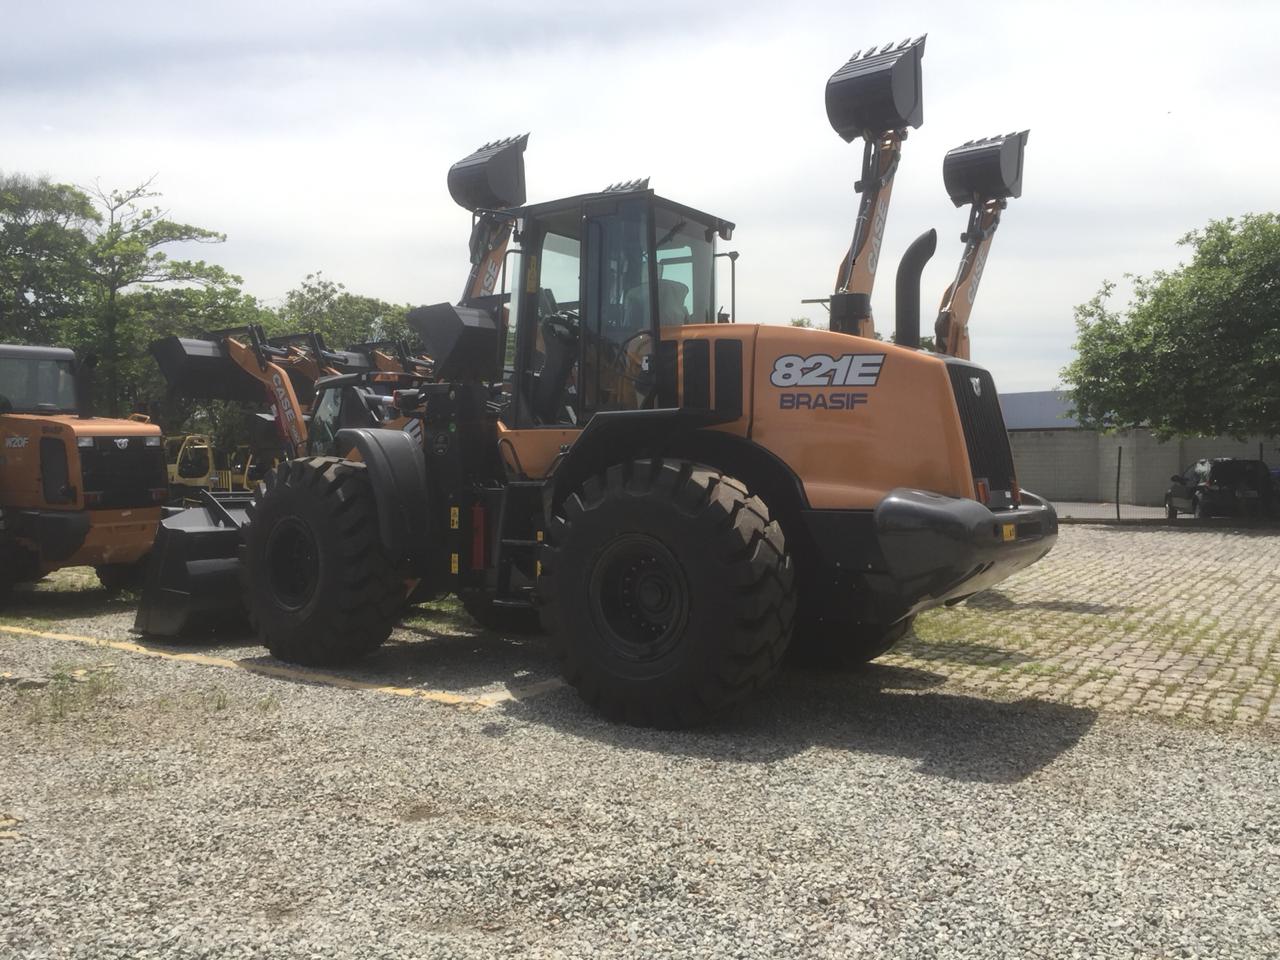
x=1221, y=488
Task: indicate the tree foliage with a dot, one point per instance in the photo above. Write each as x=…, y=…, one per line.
x=1197, y=351
x=43, y=251
x=323, y=306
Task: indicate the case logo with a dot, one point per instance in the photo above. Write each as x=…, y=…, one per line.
x=977, y=386
x=122, y=443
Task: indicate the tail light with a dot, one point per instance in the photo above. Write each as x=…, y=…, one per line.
x=92, y=498
x=1015, y=494
x=983, y=489
x=159, y=494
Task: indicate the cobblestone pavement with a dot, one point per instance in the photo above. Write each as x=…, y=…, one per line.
x=1178, y=621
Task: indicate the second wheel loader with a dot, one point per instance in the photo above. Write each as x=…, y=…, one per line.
x=674, y=496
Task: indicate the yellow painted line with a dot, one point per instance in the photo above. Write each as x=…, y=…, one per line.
x=300, y=673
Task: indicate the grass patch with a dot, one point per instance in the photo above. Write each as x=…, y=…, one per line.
x=72, y=692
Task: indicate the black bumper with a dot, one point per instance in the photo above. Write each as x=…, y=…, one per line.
x=58, y=534
x=918, y=550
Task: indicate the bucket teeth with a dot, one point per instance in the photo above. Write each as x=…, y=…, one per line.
x=989, y=168
x=628, y=186
x=877, y=91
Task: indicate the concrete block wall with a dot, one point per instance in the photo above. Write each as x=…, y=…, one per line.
x=1057, y=464
x=1073, y=464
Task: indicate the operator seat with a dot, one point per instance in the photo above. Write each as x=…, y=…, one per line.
x=560, y=339
x=671, y=311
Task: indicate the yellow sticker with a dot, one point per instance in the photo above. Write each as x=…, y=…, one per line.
x=539, y=536
x=453, y=520
x=537, y=568
x=453, y=563
x=1009, y=531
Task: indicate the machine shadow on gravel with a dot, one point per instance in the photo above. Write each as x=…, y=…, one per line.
x=881, y=709
x=53, y=606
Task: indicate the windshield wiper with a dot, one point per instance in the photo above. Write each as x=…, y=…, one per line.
x=671, y=233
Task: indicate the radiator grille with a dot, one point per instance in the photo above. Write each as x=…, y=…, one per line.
x=124, y=470
x=984, y=432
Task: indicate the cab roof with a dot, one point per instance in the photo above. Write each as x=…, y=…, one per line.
x=14, y=351
x=722, y=227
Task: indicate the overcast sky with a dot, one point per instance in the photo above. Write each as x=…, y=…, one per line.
x=317, y=135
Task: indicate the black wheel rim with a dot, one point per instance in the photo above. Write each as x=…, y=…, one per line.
x=639, y=598
x=293, y=563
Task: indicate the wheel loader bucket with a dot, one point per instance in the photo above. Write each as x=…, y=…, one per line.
x=202, y=370
x=492, y=178
x=193, y=581
x=989, y=169
x=878, y=90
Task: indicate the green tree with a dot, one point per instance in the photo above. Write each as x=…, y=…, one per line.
x=319, y=305
x=1197, y=351
x=126, y=252
x=43, y=247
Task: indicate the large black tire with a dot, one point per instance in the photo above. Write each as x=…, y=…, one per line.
x=668, y=592
x=833, y=643
x=319, y=588
x=515, y=621
x=116, y=577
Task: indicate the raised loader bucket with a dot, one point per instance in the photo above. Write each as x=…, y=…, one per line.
x=492, y=178
x=878, y=90
x=193, y=580
x=989, y=169
x=202, y=370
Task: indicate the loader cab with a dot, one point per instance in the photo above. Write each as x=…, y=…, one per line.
x=598, y=279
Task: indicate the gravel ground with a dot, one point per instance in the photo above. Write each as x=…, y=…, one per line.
x=155, y=808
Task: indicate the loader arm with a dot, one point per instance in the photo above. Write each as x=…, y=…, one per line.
x=857, y=273
x=289, y=419
x=984, y=174
x=489, y=239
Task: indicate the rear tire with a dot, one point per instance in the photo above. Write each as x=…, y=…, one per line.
x=116, y=577
x=517, y=621
x=668, y=591
x=319, y=587
x=840, y=644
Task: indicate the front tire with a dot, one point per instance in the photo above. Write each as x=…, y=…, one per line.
x=669, y=592
x=319, y=587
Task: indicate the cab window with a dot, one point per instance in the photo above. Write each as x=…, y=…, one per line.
x=548, y=316
x=686, y=258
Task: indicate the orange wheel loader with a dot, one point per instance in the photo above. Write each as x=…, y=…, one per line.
x=678, y=499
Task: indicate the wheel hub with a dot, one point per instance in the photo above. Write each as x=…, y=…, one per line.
x=639, y=598
x=293, y=563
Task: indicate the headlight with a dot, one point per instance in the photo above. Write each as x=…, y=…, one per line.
x=84, y=441
x=153, y=441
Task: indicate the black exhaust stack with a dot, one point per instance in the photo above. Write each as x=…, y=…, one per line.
x=907, y=306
